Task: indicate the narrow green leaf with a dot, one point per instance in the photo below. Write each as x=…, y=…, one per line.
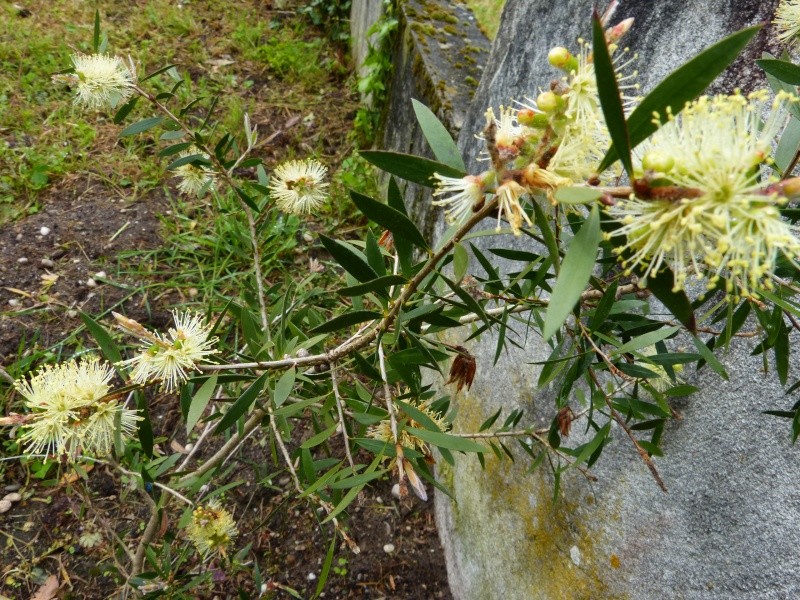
x=411, y=168
x=604, y=307
x=316, y=440
x=141, y=126
x=174, y=149
x=662, y=285
x=681, y=86
x=158, y=72
x=389, y=218
x=199, y=403
x=645, y=340
x=577, y=195
x=576, y=268
x=125, y=110
x=96, y=34
x=326, y=568
x=242, y=404
x=284, y=386
x=781, y=69
x=185, y=160
x=345, y=320
x=583, y=452
x=446, y=440
x=103, y=338
x=405, y=250
x=444, y=148
x=782, y=350
x=169, y=136
x=245, y=197
x=374, y=255
x=608, y=91
x=381, y=283
x=355, y=480
x=419, y=416
x=345, y=502
x=490, y=421
x=709, y=357
x=788, y=146
x=460, y=262
x=144, y=428
x=350, y=259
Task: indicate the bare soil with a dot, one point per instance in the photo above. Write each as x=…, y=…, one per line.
x=65, y=260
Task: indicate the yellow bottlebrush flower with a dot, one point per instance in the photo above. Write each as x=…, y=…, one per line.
x=169, y=358
x=508, y=205
x=716, y=220
x=72, y=413
x=383, y=430
x=787, y=21
x=101, y=80
x=212, y=529
x=194, y=179
x=463, y=195
x=585, y=137
x=299, y=186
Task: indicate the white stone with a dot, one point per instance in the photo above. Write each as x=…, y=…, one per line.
x=44, y=231
x=388, y=548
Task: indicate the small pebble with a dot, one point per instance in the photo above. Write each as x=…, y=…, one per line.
x=575, y=556
x=91, y=282
x=396, y=490
x=307, y=237
x=22, y=260
x=72, y=313
x=45, y=231
x=193, y=292
x=19, y=237
x=101, y=274
x=388, y=548
x=12, y=487
x=311, y=577
x=46, y=262
x=5, y=506
x=12, y=497
x=14, y=302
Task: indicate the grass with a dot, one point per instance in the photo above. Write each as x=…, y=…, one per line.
x=487, y=13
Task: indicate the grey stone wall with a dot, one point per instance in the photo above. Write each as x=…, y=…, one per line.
x=729, y=526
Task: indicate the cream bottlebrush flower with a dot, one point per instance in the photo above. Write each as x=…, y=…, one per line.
x=101, y=80
x=509, y=135
x=463, y=195
x=71, y=410
x=787, y=21
x=508, y=197
x=169, y=358
x=717, y=220
x=194, y=179
x=298, y=186
x=383, y=429
x=585, y=138
x=212, y=529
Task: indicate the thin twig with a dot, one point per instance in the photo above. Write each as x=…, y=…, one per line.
x=340, y=409
x=616, y=416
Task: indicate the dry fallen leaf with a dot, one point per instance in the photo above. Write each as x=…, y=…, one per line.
x=48, y=589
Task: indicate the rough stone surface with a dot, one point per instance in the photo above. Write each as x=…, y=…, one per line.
x=728, y=527
x=438, y=60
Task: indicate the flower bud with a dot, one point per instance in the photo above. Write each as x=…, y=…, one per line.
x=560, y=57
x=549, y=102
x=656, y=161
x=526, y=116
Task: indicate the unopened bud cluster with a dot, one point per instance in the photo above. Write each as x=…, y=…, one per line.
x=556, y=140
